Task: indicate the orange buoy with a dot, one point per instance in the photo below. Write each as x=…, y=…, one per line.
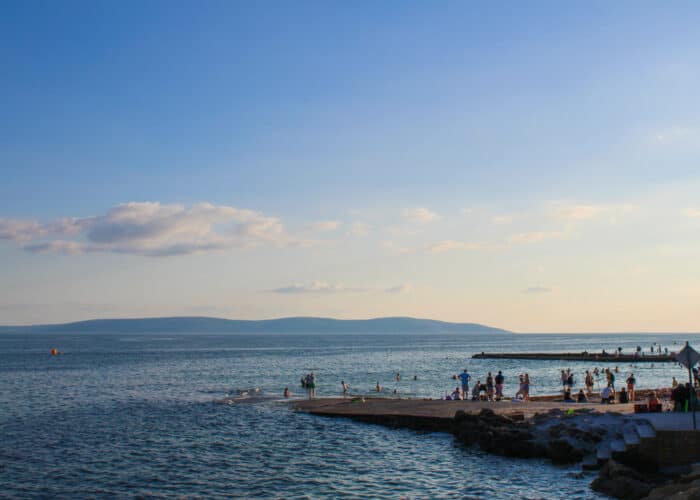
x=54, y=351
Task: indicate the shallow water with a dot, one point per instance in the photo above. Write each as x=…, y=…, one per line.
x=129, y=415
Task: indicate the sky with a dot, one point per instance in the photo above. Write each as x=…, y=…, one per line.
x=527, y=165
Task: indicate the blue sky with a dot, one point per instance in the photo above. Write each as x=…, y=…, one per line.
x=531, y=166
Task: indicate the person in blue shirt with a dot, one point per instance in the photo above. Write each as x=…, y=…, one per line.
x=465, y=378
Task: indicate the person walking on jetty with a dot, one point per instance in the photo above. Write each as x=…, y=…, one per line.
x=499, y=385
x=631, y=382
x=464, y=377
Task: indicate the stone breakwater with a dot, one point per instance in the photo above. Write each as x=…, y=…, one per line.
x=598, y=436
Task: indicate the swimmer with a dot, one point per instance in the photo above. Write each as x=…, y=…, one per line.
x=287, y=392
x=378, y=387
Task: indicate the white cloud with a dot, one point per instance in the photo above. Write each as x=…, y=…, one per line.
x=400, y=289
x=537, y=236
x=578, y=212
x=502, y=219
x=448, y=245
x=324, y=288
x=56, y=246
x=320, y=287
x=325, y=225
x=359, y=229
x=420, y=214
x=677, y=135
x=153, y=229
x=20, y=230
x=574, y=212
x=397, y=249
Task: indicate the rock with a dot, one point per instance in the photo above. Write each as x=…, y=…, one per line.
x=620, y=481
x=561, y=451
x=675, y=491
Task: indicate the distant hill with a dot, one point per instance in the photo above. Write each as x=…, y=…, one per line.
x=281, y=325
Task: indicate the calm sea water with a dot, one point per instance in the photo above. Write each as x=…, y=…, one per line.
x=134, y=415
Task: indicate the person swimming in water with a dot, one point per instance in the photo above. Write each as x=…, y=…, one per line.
x=287, y=392
x=378, y=387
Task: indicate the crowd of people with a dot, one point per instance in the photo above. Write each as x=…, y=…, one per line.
x=491, y=388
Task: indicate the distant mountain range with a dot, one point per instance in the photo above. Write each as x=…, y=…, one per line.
x=281, y=325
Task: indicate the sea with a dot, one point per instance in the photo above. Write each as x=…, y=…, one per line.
x=139, y=415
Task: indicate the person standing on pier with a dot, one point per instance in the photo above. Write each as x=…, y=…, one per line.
x=631, y=382
x=465, y=378
x=499, y=385
x=489, y=386
x=589, y=383
x=526, y=387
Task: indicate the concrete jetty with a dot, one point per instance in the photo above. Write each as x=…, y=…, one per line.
x=578, y=356
x=439, y=409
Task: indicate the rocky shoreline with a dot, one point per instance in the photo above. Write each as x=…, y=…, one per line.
x=561, y=435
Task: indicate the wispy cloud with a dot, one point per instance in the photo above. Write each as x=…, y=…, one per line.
x=420, y=214
x=152, y=229
x=448, y=245
x=320, y=287
x=537, y=236
x=20, y=230
x=324, y=288
x=502, y=219
x=400, y=289
x=576, y=212
x=677, y=135
x=56, y=246
x=325, y=225
x=359, y=229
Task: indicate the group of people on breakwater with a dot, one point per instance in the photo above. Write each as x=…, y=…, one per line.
x=598, y=384
x=490, y=390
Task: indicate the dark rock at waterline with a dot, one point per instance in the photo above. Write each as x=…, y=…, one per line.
x=620, y=481
x=498, y=434
x=561, y=451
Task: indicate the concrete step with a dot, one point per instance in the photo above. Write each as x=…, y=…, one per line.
x=630, y=437
x=645, y=430
x=617, y=445
x=603, y=452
